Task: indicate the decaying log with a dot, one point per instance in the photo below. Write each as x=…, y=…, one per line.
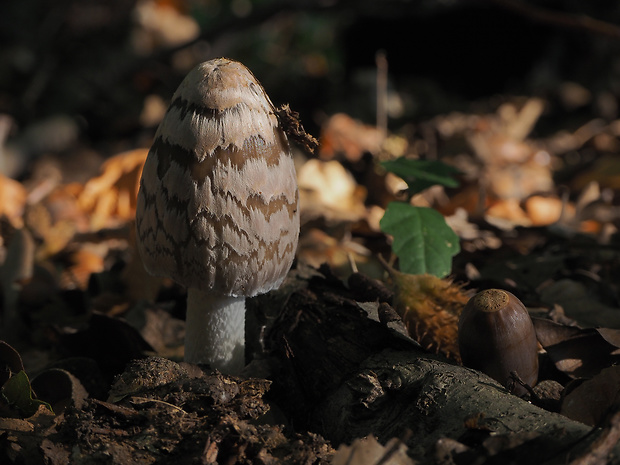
x=346, y=376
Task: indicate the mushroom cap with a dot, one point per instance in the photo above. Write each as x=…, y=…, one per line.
x=218, y=202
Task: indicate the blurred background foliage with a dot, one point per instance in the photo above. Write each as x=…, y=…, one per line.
x=108, y=68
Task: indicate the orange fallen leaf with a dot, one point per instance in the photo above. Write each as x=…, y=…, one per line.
x=84, y=262
x=55, y=219
x=590, y=227
x=509, y=210
x=112, y=195
x=543, y=211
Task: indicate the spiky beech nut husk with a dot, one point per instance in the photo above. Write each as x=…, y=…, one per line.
x=217, y=208
x=497, y=337
x=429, y=307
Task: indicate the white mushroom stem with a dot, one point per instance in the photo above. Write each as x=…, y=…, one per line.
x=215, y=331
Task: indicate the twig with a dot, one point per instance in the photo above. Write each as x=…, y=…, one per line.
x=382, y=92
x=516, y=379
x=560, y=19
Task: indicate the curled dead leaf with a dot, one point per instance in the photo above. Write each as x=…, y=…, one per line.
x=112, y=195
x=60, y=389
x=580, y=353
x=591, y=401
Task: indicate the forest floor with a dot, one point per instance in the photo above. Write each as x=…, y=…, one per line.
x=92, y=345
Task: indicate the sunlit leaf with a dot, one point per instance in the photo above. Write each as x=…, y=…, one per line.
x=423, y=242
x=422, y=174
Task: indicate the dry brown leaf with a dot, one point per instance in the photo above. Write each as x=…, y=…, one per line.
x=161, y=25
x=60, y=389
x=546, y=210
x=368, y=451
x=373, y=218
x=84, y=262
x=601, y=451
x=580, y=353
x=153, y=111
x=519, y=123
x=517, y=181
x=500, y=148
x=317, y=247
x=55, y=219
x=580, y=303
x=341, y=134
x=328, y=190
x=564, y=141
x=508, y=212
x=112, y=196
x=514, y=167
x=469, y=199
x=472, y=236
x=55, y=235
x=590, y=402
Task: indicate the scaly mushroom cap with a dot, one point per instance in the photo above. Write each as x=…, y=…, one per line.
x=218, y=202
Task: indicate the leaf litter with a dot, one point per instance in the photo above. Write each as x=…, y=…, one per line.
x=73, y=289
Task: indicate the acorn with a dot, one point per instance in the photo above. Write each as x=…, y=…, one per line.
x=497, y=337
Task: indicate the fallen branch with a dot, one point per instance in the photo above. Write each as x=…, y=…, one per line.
x=347, y=376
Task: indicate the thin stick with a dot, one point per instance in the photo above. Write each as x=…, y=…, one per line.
x=382, y=91
x=560, y=19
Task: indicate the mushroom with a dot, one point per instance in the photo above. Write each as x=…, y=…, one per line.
x=217, y=207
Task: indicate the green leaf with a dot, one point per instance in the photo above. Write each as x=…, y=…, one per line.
x=18, y=393
x=423, y=242
x=422, y=174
